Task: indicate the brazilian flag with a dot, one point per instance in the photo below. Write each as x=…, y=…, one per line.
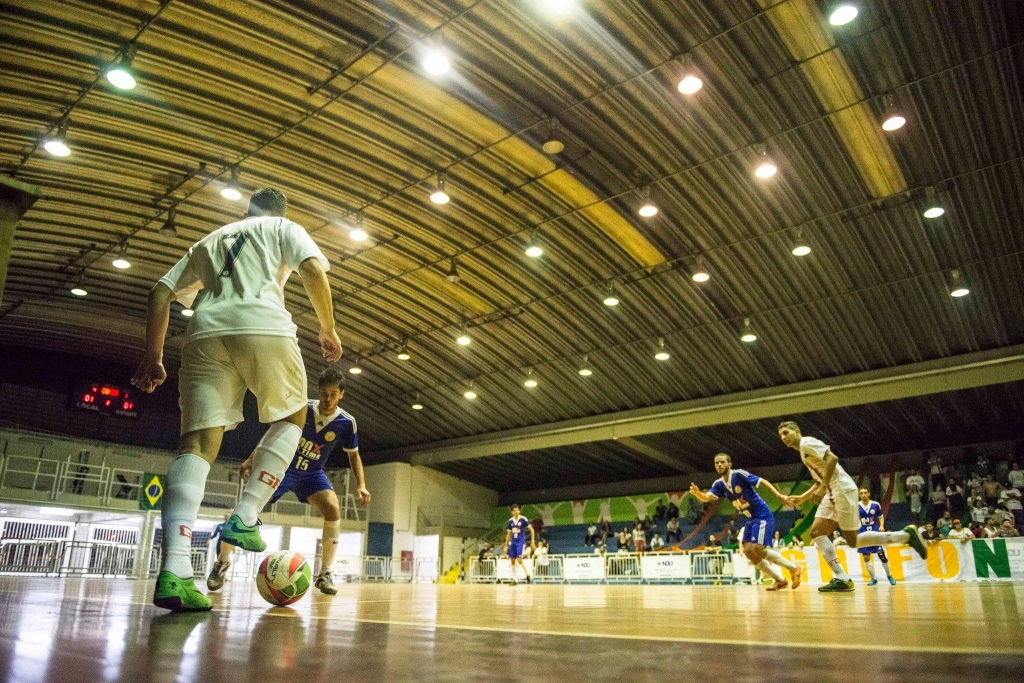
x=152, y=493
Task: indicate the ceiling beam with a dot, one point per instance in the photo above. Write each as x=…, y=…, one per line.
x=653, y=453
x=983, y=368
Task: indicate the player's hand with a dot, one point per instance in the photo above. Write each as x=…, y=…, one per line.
x=363, y=495
x=694, y=489
x=330, y=344
x=245, y=470
x=149, y=375
x=817, y=497
x=789, y=501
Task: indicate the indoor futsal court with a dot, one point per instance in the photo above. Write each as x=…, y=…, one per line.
x=521, y=340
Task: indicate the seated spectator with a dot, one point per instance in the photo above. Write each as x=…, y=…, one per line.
x=935, y=473
x=1010, y=497
x=929, y=533
x=979, y=511
x=915, y=488
x=959, y=533
x=1000, y=513
x=992, y=489
x=1016, y=476
x=622, y=541
x=944, y=524
x=796, y=542
x=777, y=540
x=660, y=511
x=975, y=488
x=714, y=543
x=591, y=537
x=955, y=496
x=673, y=511
x=606, y=530
x=837, y=538
x=656, y=542
x=991, y=529
x=672, y=530
x=938, y=497
x=1007, y=530
x=977, y=530
x=599, y=548
x=647, y=523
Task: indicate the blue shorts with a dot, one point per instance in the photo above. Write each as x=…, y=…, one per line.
x=873, y=549
x=759, y=531
x=302, y=484
x=515, y=550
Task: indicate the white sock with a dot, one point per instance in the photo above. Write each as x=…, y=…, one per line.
x=270, y=461
x=329, y=544
x=866, y=539
x=828, y=551
x=885, y=566
x=777, y=557
x=869, y=562
x=186, y=483
x=767, y=568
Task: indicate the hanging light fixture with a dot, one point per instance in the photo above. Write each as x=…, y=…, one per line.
x=530, y=382
x=168, y=229
x=231, y=190
x=700, y=271
x=748, y=335
x=120, y=72
x=357, y=233
x=932, y=208
x=440, y=195
x=800, y=247
x=416, y=404
x=534, y=249
x=661, y=354
x=78, y=289
x=610, y=298
x=552, y=145
x=355, y=369
x=585, y=369
x=403, y=352
x=892, y=117
x=453, y=271
x=470, y=392
x=766, y=169
x=57, y=142
x=842, y=13
x=648, y=209
x=121, y=261
x=958, y=288
x=463, y=339
x=690, y=82
x=435, y=61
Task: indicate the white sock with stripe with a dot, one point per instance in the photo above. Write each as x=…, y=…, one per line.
x=866, y=539
x=329, y=544
x=777, y=557
x=766, y=568
x=186, y=483
x=270, y=461
x=885, y=566
x=828, y=551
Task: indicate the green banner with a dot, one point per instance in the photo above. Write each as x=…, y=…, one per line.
x=151, y=495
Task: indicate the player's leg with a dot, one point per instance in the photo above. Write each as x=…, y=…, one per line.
x=215, y=581
x=821, y=536
x=326, y=502
x=869, y=562
x=885, y=565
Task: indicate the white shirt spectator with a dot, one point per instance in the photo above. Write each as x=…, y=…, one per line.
x=672, y=524
x=962, y=534
x=979, y=511
x=1016, y=478
x=639, y=535
x=938, y=496
x=592, y=530
x=975, y=487
x=1011, y=499
x=540, y=556
x=657, y=543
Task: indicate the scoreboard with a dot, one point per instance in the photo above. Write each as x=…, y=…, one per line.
x=106, y=399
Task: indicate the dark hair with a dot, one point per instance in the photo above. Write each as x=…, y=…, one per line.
x=267, y=201
x=789, y=424
x=513, y=506
x=331, y=378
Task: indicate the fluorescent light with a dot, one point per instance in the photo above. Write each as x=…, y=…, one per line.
x=959, y=292
x=690, y=84
x=187, y=312
x=417, y=406
x=648, y=210
x=801, y=250
x=894, y=122
x=842, y=15
x=79, y=291
x=934, y=212
x=436, y=62
x=534, y=250
x=58, y=512
x=57, y=147
x=766, y=170
x=358, y=235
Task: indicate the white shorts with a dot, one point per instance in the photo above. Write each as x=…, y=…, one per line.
x=216, y=371
x=841, y=507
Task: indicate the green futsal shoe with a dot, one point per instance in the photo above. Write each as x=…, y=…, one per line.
x=179, y=595
x=836, y=586
x=245, y=537
x=916, y=541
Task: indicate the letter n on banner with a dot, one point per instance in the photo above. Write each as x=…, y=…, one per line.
x=995, y=558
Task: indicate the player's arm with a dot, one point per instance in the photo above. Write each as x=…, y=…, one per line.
x=356, y=463
x=881, y=522
x=815, y=490
x=150, y=373
x=768, y=485
x=533, y=539
x=314, y=280
x=700, y=495
x=508, y=538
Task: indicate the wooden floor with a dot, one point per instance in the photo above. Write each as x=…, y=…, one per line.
x=78, y=630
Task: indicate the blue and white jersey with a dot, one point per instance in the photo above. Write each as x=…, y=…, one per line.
x=518, y=527
x=870, y=515
x=741, y=489
x=320, y=435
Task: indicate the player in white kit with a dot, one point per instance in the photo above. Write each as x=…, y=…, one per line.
x=241, y=337
x=835, y=494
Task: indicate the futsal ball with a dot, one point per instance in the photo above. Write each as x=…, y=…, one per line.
x=283, y=578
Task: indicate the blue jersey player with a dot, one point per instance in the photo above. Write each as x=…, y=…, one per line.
x=740, y=487
x=872, y=519
x=327, y=426
x=515, y=541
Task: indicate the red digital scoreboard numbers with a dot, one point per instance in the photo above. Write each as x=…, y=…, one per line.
x=106, y=399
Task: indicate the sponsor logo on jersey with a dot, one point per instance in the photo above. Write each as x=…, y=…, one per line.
x=329, y=436
x=738, y=489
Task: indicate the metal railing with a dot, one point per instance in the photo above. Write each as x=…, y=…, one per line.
x=199, y=562
x=622, y=567
x=427, y=570
x=29, y=557
x=376, y=569
x=710, y=566
x=548, y=569
x=482, y=570
x=63, y=558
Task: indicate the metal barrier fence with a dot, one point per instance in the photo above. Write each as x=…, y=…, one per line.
x=548, y=569
x=199, y=563
x=64, y=558
x=711, y=566
x=622, y=568
x=692, y=567
x=427, y=570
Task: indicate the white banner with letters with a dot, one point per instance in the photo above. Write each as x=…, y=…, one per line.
x=587, y=568
x=659, y=567
x=348, y=566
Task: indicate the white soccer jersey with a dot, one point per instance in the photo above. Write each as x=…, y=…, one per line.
x=234, y=277
x=841, y=481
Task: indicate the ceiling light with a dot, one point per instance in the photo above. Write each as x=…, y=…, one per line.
x=470, y=392
x=416, y=405
x=610, y=299
x=120, y=72
x=932, y=208
x=662, y=354
x=766, y=170
x=403, y=353
x=748, y=335
x=690, y=84
x=440, y=195
x=453, y=271
x=355, y=369
x=463, y=338
x=893, y=122
x=121, y=261
x=168, y=229
x=530, y=382
x=700, y=272
x=187, y=312
x=552, y=145
x=585, y=369
x=558, y=7
x=843, y=14
x=231, y=191
x=78, y=289
x=800, y=247
x=934, y=212
x=436, y=62
x=647, y=207
x=534, y=249
x=357, y=233
x=56, y=143
x=892, y=117
x=957, y=289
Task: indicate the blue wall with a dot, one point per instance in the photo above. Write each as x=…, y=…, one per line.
x=380, y=539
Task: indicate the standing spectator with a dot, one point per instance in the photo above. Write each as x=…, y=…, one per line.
x=656, y=542
x=974, y=487
x=959, y=533
x=982, y=467
x=660, y=511
x=954, y=496
x=944, y=524
x=915, y=487
x=979, y=511
x=936, y=477
x=591, y=537
x=1007, y=530
x=992, y=489
x=606, y=531
x=639, y=539
x=672, y=530
x=938, y=502
x=673, y=511
x=1010, y=497
x=1016, y=476
x=991, y=529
